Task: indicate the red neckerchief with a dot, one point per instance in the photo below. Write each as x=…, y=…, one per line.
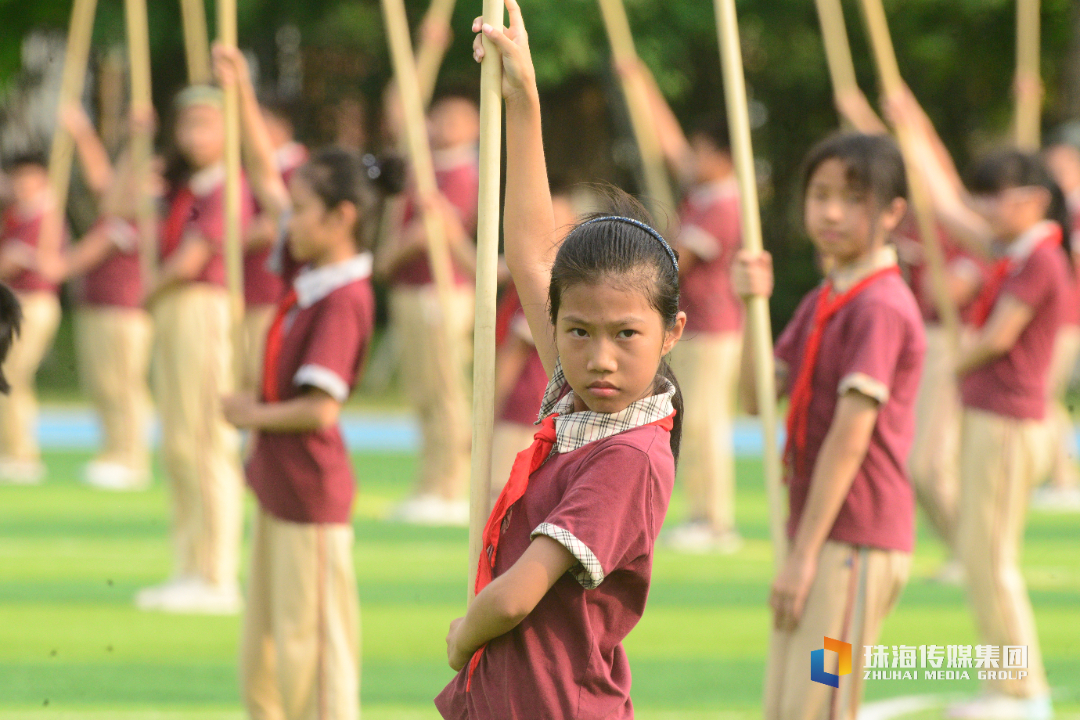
x=802, y=391
x=999, y=273
x=272, y=354
x=172, y=232
x=526, y=463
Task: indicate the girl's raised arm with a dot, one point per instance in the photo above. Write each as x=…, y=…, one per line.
x=531, y=240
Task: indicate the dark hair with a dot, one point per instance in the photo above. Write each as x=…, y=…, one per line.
x=337, y=176
x=1005, y=169
x=874, y=164
x=26, y=158
x=713, y=127
x=10, y=322
x=596, y=251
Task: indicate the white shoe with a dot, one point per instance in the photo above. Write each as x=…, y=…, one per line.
x=699, y=537
x=1003, y=707
x=150, y=598
x=951, y=573
x=1056, y=499
x=432, y=510
x=198, y=597
x=21, y=472
x=114, y=476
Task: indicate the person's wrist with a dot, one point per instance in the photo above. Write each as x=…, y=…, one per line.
x=525, y=98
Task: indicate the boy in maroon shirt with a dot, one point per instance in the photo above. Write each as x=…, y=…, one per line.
x=850, y=359
x=30, y=239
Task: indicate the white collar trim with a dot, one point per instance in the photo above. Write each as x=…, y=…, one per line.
x=314, y=284
x=207, y=180
x=1023, y=246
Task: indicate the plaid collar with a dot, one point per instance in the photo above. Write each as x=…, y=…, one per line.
x=574, y=430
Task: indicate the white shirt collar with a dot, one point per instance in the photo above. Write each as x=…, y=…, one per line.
x=455, y=157
x=313, y=284
x=845, y=278
x=207, y=180
x=290, y=156
x=1023, y=246
x=713, y=191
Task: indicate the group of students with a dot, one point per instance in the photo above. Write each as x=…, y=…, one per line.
x=597, y=306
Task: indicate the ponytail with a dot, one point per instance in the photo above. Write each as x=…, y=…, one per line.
x=668, y=374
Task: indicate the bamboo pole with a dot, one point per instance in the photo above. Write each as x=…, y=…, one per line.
x=196, y=44
x=759, y=324
x=234, y=249
x=891, y=83
x=837, y=47
x=657, y=183
x=142, y=133
x=1028, y=97
x=487, y=270
x=429, y=56
x=62, y=152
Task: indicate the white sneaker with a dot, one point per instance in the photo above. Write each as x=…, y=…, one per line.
x=21, y=472
x=433, y=511
x=114, y=476
x=150, y=598
x=1056, y=499
x=699, y=537
x=951, y=573
x=1003, y=707
x=198, y=597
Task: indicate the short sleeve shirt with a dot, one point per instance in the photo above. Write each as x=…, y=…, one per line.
x=459, y=182
x=307, y=477
x=711, y=229
x=873, y=345
x=1014, y=385
x=116, y=281
x=20, y=228
x=605, y=502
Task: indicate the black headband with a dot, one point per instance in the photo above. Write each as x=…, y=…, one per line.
x=640, y=225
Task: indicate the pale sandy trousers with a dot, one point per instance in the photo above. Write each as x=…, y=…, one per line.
x=19, y=408
x=113, y=349
x=192, y=370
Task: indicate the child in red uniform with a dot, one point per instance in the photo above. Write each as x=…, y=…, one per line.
x=23, y=249
x=569, y=545
x=850, y=359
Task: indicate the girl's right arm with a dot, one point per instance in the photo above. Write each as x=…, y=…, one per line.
x=531, y=238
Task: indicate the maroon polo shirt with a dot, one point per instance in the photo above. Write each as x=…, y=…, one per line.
x=116, y=281
x=522, y=405
x=566, y=659
x=1014, y=385
x=712, y=231
x=307, y=477
x=25, y=229
x=874, y=344
x=460, y=184
x=206, y=218
x=263, y=286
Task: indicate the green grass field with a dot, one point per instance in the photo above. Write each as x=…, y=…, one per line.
x=72, y=646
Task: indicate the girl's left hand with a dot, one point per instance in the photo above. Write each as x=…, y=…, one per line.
x=519, y=75
x=457, y=656
x=239, y=409
x=789, y=591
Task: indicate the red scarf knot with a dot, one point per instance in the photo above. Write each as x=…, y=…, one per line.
x=272, y=355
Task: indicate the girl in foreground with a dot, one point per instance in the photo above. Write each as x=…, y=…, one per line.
x=568, y=548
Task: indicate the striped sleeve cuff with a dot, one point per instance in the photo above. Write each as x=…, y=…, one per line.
x=324, y=379
x=865, y=385
x=588, y=571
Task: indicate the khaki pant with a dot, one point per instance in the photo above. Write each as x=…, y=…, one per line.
x=1063, y=473
x=192, y=370
x=113, y=348
x=300, y=650
x=19, y=409
x=257, y=319
x=935, y=453
x=1001, y=459
x=853, y=592
x=707, y=366
x=437, y=388
x=507, y=440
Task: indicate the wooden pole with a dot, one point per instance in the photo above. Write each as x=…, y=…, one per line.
x=487, y=270
x=1028, y=97
x=657, y=183
x=142, y=137
x=234, y=247
x=196, y=44
x=429, y=57
x=759, y=325
x=891, y=82
x=62, y=152
x=837, y=47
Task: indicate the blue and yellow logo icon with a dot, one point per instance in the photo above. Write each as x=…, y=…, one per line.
x=817, y=662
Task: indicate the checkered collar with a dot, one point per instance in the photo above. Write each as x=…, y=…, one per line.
x=574, y=430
